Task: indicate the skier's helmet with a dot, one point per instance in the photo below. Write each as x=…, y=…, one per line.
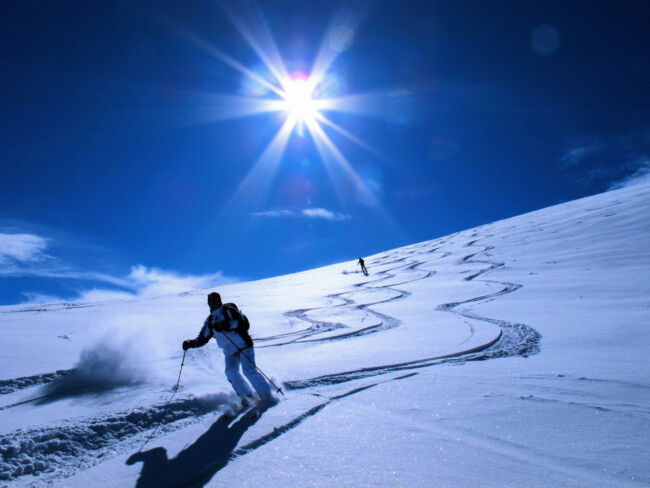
x=214, y=300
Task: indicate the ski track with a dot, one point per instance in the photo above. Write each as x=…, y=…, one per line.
x=14, y=384
x=63, y=449
x=317, y=327
x=514, y=338
x=59, y=451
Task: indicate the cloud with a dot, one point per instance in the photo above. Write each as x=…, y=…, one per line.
x=311, y=213
x=59, y=270
x=639, y=177
x=92, y=295
x=23, y=255
x=321, y=213
x=103, y=295
x=22, y=248
x=141, y=282
x=155, y=282
x=579, y=150
x=612, y=161
x=275, y=213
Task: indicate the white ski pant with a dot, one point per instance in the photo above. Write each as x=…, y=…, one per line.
x=242, y=388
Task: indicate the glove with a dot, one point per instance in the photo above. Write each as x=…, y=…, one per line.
x=188, y=344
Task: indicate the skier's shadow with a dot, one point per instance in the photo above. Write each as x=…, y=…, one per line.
x=198, y=463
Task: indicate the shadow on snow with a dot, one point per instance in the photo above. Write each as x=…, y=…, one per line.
x=196, y=464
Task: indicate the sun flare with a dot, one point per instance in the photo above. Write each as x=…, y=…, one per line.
x=304, y=98
x=298, y=101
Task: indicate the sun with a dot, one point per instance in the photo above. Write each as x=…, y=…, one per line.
x=304, y=98
x=298, y=101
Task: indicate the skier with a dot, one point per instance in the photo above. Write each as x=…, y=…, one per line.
x=363, y=266
x=227, y=327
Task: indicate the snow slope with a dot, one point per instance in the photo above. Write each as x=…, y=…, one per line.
x=511, y=354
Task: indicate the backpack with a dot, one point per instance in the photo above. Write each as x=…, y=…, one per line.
x=230, y=311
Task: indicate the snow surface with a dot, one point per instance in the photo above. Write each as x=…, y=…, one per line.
x=512, y=354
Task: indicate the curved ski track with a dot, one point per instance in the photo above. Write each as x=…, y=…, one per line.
x=317, y=327
x=514, y=338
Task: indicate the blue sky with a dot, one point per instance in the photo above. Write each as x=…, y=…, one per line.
x=125, y=172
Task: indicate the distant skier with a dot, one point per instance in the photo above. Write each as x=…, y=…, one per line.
x=230, y=329
x=362, y=263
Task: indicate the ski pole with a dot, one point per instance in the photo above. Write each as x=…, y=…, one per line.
x=181, y=370
x=166, y=403
x=241, y=352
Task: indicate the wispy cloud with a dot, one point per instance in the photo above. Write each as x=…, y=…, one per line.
x=154, y=281
x=639, y=177
x=310, y=213
x=56, y=269
x=579, y=150
x=322, y=213
x=141, y=282
x=275, y=213
x=22, y=248
x=24, y=255
x=613, y=161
